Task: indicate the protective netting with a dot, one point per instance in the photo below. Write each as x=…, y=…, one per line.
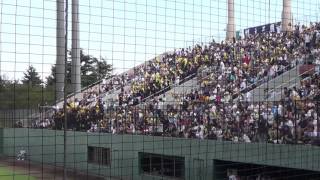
x=164, y=89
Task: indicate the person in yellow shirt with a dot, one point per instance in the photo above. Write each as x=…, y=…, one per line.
x=206, y=58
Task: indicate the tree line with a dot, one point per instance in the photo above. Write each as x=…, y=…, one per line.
x=32, y=91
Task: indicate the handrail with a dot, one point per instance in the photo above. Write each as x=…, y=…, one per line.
x=249, y=88
x=118, y=87
x=166, y=89
x=99, y=81
x=112, y=76
x=258, y=83
x=74, y=94
x=279, y=86
x=261, y=81
x=210, y=69
x=82, y=89
x=294, y=78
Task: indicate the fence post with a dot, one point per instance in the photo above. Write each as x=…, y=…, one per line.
x=295, y=122
x=277, y=123
x=318, y=125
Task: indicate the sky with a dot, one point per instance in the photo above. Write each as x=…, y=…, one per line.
x=127, y=32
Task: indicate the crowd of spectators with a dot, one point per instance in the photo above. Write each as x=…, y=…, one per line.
x=240, y=64
x=292, y=120
x=210, y=112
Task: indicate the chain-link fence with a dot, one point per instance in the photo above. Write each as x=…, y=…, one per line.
x=164, y=89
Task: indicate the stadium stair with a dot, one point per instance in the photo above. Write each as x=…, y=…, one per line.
x=287, y=79
x=277, y=93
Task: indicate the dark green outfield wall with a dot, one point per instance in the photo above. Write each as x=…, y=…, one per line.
x=47, y=146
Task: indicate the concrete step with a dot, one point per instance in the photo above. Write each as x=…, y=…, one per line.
x=286, y=79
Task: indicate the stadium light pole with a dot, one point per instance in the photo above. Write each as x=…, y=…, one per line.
x=60, y=50
x=286, y=22
x=1, y=35
x=231, y=23
x=76, y=67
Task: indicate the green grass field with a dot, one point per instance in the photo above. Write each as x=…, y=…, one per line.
x=7, y=174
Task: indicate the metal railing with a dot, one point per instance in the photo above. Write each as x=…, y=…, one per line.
x=168, y=88
x=280, y=86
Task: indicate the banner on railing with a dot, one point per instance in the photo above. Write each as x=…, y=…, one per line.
x=272, y=27
x=307, y=69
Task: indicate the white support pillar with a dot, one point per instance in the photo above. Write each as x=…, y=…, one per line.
x=286, y=23
x=231, y=30
x=60, y=54
x=76, y=66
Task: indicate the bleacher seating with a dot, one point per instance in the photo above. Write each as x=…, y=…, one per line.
x=217, y=104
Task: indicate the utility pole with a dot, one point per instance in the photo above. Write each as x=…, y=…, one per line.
x=286, y=23
x=231, y=30
x=1, y=35
x=60, y=54
x=76, y=66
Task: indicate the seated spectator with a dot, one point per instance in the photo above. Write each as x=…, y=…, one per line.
x=221, y=108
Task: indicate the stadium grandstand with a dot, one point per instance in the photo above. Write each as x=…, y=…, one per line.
x=243, y=105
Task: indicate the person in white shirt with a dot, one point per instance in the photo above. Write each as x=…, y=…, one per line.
x=249, y=96
x=295, y=93
x=233, y=177
x=280, y=110
x=307, y=40
x=200, y=132
x=177, y=82
x=271, y=71
x=246, y=139
x=317, y=65
x=243, y=85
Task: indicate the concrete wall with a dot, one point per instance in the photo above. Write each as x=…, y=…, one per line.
x=47, y=146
